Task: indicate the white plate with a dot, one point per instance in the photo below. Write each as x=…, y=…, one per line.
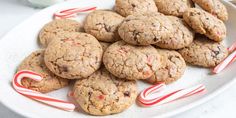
x=22, y=40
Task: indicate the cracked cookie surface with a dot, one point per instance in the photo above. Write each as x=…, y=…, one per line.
x=129, y=7
x=131, y=62
x=57, y=28
x=173, y=7
x=103, y=25
x=74, y=57
x=215, y=7
x=145, y=29
x=205, y=23
x=102, y=93
x=50, y=82
x=204, y=52
x=182, y=37
x=172, y=68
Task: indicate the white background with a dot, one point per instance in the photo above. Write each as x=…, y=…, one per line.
x=13, y=12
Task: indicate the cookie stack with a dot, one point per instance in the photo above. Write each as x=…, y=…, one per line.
x=148, y=40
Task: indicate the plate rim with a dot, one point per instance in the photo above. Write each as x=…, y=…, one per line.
x=168, y=114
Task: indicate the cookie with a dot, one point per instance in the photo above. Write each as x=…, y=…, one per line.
x=50, y=82
x=131, y=62
x=204, y=23
x=182, y=36
x=215, y=7
x=104, y=94
x=130, y=7
x=74, y=57
x=56, y=29
x=104, y=45
x=173, y=7
x=204, y=52
x=103, y=25
x=172, y=68
x=145, y=29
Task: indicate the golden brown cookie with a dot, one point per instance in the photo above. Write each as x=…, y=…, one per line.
x=74, y=57
x=145, y=29
x=129, y=7
x=104, y=94
x=50, y=82
x=103, y=25
x=215, y=7
x=57, y=28
x=131, y=62
x=182, y=37
x=173, y=7
x=205, y=23
x=172, y=68
x=204, y=52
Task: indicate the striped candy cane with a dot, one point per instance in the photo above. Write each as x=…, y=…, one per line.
x=232, y=47
x=166, y=98
x=67, y=106
x=72, y=12
x=227, y=61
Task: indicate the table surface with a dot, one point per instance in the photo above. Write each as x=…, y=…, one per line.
x=16, y=11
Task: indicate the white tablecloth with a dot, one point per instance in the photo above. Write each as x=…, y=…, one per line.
x=13, y=12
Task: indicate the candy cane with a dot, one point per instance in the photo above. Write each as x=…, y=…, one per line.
x=227, y=61
x=37, y=95
x=166, y=98
x=232, y=47
x=72, y=12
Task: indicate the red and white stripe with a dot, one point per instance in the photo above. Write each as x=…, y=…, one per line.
x=232, y=47
x=227, y=61
x=72, y=12
x=60, y=104
x=166, y=98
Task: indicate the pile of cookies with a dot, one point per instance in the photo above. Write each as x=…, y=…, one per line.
x=149, y=40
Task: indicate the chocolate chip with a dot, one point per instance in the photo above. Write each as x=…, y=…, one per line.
x=133, y=5
x=127, y=94
x=89, y=93
x=64, y=69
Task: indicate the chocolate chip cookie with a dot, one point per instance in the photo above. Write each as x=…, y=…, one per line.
x=205, y=23
x=204, y=52
x=172, y=68
x=74, y=57
x=215, y=7
x=103, y=25
x=104, y=94
x=129, y=7
x=182, y=37
x=145, y=29
x=131, y=62
x=57, y=28
x=173, y=7
x=50, y=82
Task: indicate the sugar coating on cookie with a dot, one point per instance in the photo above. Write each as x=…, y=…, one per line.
x=215, y=7
x=131, y=62
x=103, y=25
x=204, y=23
x=50, y=81
x=129, y=7
x=173, y=7
x=104, y=94
x=74, y=57
x=204, y=52
x=56, y=28
x=145, y=29
x=172, y=68
x=182, y=37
